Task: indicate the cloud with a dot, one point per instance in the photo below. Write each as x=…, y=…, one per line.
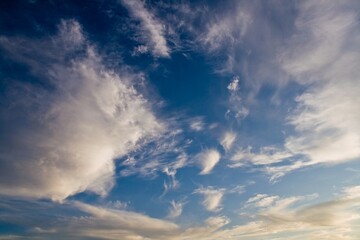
x=228, y=140
x=262, y=200
x=91, y=221
x=62, y=135
x=175, y=209
x=153, y=29
x=321, y=56
x=208, y=160
x=291, y=217
x=171, y=170
x=235, y=34
x=236, y=107
x=267, y=155
x=212, y=198
x=326, y=116
x=234, y=84
x=327, y=113
x=142, y=49
x=226, y=30
x=165, y=155
x=217, y=221
x=240, y=189
x=120, y=223
x=197, y=124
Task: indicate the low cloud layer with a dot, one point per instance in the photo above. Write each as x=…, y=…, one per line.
x=269, y=216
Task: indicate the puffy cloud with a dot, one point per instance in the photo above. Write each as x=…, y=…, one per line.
x=207, y=160
x=212, y=198
x=153, y=29
x=61, y=137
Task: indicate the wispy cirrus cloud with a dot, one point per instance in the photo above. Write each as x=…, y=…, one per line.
x=152, y=30
x=207, y=160
x=326, y=116
x=266, y=156
x=227, y=140
x=66, y=137
x=326, y=113
x=212, y=198
x=176, y=209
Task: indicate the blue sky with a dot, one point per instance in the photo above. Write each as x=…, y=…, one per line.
x=179, y=120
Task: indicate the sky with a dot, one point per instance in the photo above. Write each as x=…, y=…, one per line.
x=177, y=120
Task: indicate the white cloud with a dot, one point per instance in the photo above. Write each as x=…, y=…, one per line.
x=208, y=160
x=295, y=217
x=117, y=224
x=228, y=140
x=266, y=156
x=240, y=189
x=217, y=222
x=236, y=107
x=352, y=192
x=197, y=124
x=234, y=84
x=118, y=205
x=290, y=217
x=153, y=29
x=175, y=209
x=212, y=198
x=262, y=200
x=63, y=141
x=165, y=155
x=142, y=49
x=327, y=115
x=227, y=30
x=170, y=170
x=322, y=56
